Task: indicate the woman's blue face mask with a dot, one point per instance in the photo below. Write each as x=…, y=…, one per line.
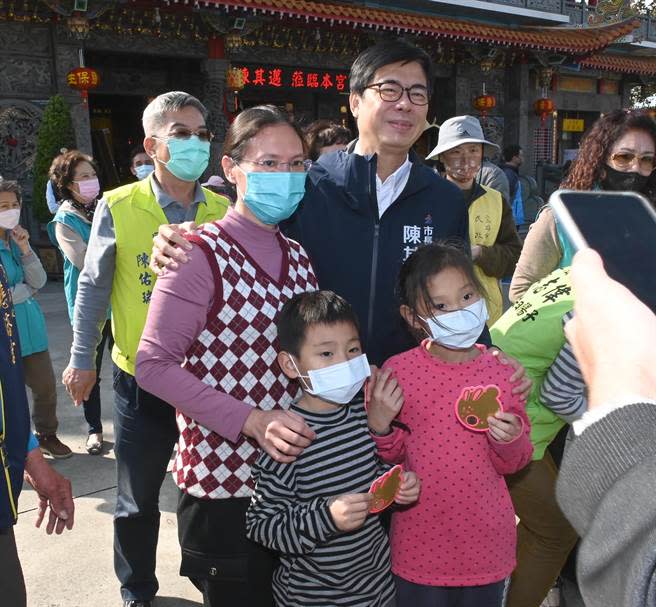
x=274, y=196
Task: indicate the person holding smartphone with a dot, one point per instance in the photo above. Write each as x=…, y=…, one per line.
x=608, y=473
x=616, y=154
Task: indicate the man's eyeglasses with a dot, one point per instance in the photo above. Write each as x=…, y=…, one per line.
x=270, y=166
x=625, y=159
x=393, y=91
x=202, y=134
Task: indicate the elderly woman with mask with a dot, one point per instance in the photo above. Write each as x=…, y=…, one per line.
x=26, y=276
x=75, y=177
x=495, y=244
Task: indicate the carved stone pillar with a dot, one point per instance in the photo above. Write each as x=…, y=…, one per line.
x=66, y=58
x=516, y=110
x=214, y=69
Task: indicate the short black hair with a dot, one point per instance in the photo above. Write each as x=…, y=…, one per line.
x=369, y=61
x=510, y=151
x=139, y=149
x=425, y=262
x=307, y=309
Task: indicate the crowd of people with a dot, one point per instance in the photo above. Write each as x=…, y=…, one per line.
x=324, y=311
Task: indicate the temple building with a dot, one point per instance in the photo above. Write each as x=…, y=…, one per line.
x=537, y=72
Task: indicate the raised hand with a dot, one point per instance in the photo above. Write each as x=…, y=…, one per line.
x=385, y=400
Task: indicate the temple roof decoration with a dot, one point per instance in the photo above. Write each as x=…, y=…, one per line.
x=572, y=40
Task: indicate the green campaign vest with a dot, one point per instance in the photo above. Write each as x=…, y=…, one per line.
x=137, y=217
x=532, y=332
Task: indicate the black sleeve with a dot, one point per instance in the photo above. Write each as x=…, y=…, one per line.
x=485, y=338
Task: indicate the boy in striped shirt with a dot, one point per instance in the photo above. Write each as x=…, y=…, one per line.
x=314, y=511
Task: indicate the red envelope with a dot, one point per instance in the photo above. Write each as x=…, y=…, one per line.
x=475, y=404
x=385, y=489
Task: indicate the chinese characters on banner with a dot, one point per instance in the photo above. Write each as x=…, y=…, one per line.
x=278, y=77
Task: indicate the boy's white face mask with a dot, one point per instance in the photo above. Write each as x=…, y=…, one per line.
x=337, y=383
x=459, y=329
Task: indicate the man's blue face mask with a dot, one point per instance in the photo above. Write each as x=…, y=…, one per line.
x=188, y=158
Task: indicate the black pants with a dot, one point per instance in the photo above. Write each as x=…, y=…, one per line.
x=145, y=432
x=92, y=404
x=12, y=585
x=218, y=558
x=417, y=595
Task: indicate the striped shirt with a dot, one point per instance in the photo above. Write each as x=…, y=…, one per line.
x=563, y=390
x=320, y=565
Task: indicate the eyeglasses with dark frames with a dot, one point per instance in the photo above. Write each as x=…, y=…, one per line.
x=393, y=91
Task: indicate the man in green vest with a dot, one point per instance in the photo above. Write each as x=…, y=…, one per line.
x=116, y=271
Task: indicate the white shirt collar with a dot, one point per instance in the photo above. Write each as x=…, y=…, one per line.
x=389, y=190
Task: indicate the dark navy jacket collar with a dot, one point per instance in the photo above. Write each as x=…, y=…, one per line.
x=357, y=175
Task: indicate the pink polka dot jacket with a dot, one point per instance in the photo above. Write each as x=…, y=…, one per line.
x=461, y=532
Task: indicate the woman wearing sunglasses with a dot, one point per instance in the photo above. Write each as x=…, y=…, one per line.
x=209, y=349
x=616, y=154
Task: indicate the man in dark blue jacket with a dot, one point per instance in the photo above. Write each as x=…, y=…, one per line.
x=20, y=456
x=367, y=209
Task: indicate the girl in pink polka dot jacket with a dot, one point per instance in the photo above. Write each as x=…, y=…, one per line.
x=461, y=429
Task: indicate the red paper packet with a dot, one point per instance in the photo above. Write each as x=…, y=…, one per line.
x=475, y=404
x=385, y=489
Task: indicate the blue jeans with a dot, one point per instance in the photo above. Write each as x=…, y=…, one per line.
x=145, y=432
x=91, y=406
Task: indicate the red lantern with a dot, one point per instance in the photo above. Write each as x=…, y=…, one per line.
x=82, y=79
x=543, y=108
x=485, y=103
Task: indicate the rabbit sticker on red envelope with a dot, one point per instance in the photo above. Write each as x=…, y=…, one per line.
x=385, y=488
x=475, y=404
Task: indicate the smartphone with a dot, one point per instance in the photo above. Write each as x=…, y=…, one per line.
x=621, y=227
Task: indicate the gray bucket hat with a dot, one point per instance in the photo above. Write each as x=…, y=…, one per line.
x=458, y=130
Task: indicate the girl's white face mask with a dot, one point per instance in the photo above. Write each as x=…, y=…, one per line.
x=458, y=329
x=337, y=383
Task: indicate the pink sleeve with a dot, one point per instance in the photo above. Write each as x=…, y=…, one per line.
x=177, y=315
x=508, y=458
x=391, y=447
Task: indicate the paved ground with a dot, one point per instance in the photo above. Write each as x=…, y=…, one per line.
x=75, y=569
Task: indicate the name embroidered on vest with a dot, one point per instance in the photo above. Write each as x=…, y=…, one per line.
x=484, y=224
x=236, y=354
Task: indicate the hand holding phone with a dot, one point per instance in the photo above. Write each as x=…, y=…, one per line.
x=621, y=227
